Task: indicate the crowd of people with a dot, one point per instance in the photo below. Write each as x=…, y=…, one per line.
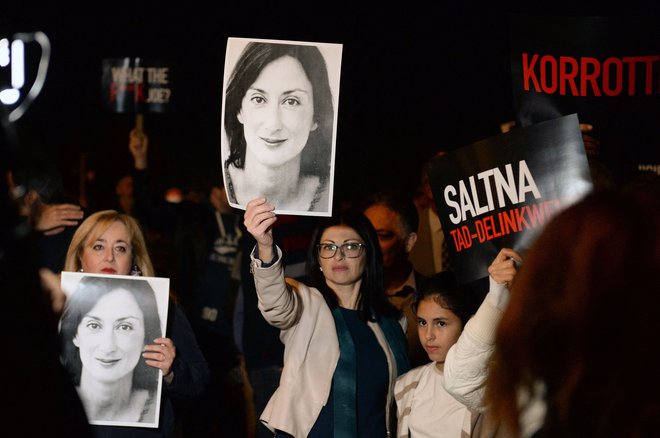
x=300, y=326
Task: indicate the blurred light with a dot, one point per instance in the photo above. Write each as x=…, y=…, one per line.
x=174, y=195
x=17, y=64
x=4, y=52
x=9, y=96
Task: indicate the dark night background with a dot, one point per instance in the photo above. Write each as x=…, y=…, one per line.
x=416, y=77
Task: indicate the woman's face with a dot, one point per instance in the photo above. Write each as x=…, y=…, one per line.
x=438, y=329
x=277, y=112
x=110, y=336
x=111, y=253
x=338, y=269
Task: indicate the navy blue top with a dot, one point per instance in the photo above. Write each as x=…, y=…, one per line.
x=372, y=384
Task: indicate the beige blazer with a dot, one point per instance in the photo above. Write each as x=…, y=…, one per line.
x=311, y=350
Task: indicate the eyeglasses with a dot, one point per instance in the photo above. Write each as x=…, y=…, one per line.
x=349, y=250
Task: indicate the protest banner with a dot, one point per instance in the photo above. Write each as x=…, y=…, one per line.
x=501, y=191
x=136, y=85
x=605, y=69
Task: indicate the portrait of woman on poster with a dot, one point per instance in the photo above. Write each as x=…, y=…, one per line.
x=278, y=120
x=104, y=328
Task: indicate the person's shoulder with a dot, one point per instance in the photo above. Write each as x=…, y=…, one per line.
x=303, y=289
x=413, y=375
x=406, y=384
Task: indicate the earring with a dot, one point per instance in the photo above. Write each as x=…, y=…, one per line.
x=320, y=269
x=81, y=270
x=135, y=271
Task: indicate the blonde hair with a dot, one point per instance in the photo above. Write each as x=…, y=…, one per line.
x=97, y=224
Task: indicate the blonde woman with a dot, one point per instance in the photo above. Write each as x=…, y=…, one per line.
x=108, y=242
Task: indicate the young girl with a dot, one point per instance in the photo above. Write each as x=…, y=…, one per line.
x=443, y=308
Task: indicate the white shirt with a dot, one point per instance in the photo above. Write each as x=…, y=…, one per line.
x=435, y=413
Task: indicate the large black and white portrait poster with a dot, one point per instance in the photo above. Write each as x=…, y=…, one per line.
x=106, y=323
x=279, y=123
x=604, y=69
x=501, y=191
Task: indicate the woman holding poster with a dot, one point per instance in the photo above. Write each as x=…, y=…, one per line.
x=279, y=121
x=344, y=343
x=108, y=242
x=104, y=328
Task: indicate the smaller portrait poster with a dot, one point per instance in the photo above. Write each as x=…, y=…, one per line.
x=136, y=85
x=279, y=124
x=106, y=323
x=500, y=192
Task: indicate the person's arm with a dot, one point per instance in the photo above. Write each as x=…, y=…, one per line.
x=189, y=371
x=466, y=364
x=277, y=302
x=150, y=210
x=51, y=219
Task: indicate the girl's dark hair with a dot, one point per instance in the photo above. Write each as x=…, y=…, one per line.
x=87, y=294
x=444, y=289
x=372, y=302
x=255, y=57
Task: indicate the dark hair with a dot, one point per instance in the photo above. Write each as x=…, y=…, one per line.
x=582, y=320
x=399, y=203
x=254, y=58
x=47, y=183
x=372, y=290
x=87, y=294
x=444, y=289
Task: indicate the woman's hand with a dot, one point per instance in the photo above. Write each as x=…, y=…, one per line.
x=504, y=267
x=161, y=355
x=51, y=219
x=138, y=144
x=259, y=219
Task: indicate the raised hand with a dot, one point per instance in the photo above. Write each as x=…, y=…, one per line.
x=504, y=268
x=138, y=144
x=258, y=220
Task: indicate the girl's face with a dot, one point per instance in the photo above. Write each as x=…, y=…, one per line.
x=438, y=329
x=277, y=112
x=110, y=337
x=111, y=253
x=339, y=269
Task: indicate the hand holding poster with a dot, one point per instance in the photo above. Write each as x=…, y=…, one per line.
x=501, y=191
x=106, y=323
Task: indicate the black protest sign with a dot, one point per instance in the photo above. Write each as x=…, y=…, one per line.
x=501, y=191
x=605, y=69
x=136, y=85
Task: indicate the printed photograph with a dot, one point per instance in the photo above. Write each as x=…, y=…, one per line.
x=106, y=323
x=279, y=123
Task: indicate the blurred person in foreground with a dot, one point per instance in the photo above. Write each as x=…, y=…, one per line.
x=574, y=352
